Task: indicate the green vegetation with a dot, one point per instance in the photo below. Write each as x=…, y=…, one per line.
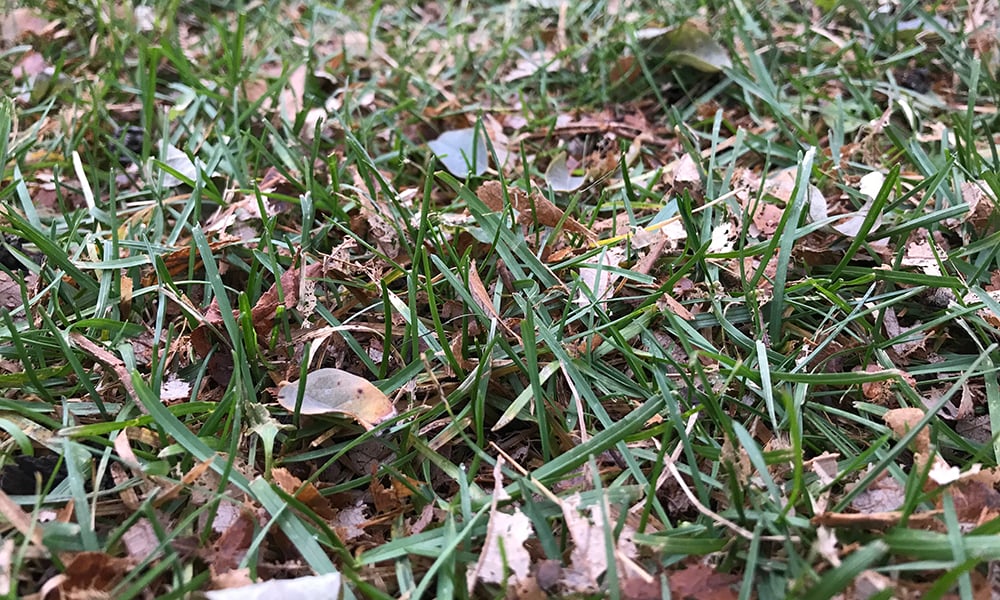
x=695, y=300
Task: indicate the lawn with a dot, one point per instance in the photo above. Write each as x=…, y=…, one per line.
x=526, y=299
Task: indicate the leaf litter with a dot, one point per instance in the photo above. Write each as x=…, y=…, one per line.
x=334, y=264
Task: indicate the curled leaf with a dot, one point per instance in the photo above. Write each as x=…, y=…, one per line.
x=693, y=47
x=332, y=391
x=687, y=45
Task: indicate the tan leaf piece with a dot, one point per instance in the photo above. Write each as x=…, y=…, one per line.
x=291, y=101
x=332, y=391
x=902, y=420
x=307, y=494
x=504, y=550
x=483, y=301
x=297, y=285
x=877, y=520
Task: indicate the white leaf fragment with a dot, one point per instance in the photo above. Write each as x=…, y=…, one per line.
x=462, y=151
x=506, y=552
x=871, y=184
x=302, y=588
x=598, y=280
x=589, y=557
x=559, y=178
x=174, y=388
x=178, y=160
x=503, y=550
x=942, y=473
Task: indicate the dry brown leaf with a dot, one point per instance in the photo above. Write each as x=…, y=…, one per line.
x=879, y=392
x=307, y=494
x=869, y=584
x=976, y=501
x=970, y=395
x=528, y=589
x=291, y=100
x=88, y=575
x=385, y=235
x=878, y=520
x=293, y=282
x=825, y=467
x=14, y=515
x=225, y=515
x=532, y=208
x=982, y=210
x=110, y=360
x=390, y=499
x=686, y=177
x=633, y=125
x=350, y=522
x=124, y=451
x=984, y=313
x=942, y=473
x=640, y=588
x=589, y=559
x=179, y=260
x=914, y=343
x=766, y=218
x=826, y=545
x=667, y=302
x=483, y=301
x=228, y=551
x=977, y=429
x=174, y=389
x=30, y=65
x=921, y=255
x=737, y=461
x=530, y=64
x=703, y=582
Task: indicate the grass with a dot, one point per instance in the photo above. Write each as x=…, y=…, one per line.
x=717, y=419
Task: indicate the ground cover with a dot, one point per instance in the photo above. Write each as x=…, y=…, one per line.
x=525, y=299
